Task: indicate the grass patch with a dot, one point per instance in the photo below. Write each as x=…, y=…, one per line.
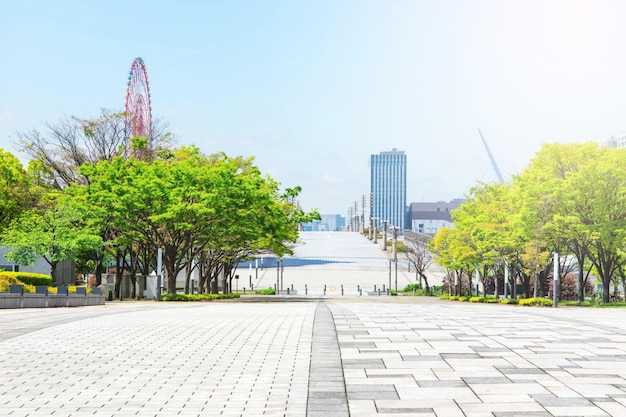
x=620, y=304
x=575, y=303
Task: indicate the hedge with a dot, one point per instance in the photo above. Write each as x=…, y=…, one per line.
x=546, y=302
x=197, y=297
x=30, y=278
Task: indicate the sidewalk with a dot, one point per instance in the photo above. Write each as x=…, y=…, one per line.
x=406, y=356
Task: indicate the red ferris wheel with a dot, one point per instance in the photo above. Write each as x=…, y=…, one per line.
x=138, y=106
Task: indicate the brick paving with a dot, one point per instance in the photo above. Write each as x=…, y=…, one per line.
x=312, y=356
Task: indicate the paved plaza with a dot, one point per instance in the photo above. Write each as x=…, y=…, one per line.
x=333, y=357
x=313, y=356
x=335, y=261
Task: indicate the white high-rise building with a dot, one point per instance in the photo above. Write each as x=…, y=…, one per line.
x=616, y=142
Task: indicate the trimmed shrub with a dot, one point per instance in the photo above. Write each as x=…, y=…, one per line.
x=412, y=286
x=265, y=291
x=454, y=297
x=197, y=297
x=509, y=301
x=30, y=278
x=444, y=297
x=393, y=292
x=476, y=299
x=6, y=281
x=542, y=302
x=491, y=300
x=463, y=298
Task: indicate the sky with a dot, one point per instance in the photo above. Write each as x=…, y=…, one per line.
x=312, y=88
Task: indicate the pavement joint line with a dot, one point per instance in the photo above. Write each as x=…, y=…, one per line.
x=325, y=351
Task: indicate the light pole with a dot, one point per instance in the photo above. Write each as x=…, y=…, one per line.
x=555, y=284
x=375, y=229
x=384, y=234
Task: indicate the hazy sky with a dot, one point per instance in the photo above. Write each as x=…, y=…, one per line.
x=313, y=88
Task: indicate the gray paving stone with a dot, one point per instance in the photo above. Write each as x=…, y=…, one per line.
x=402, y=356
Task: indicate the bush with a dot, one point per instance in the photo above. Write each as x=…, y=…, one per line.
x=7, y=280
x=545, y=302
x=197, y=297
x=444, y=297
x=393, y=292
x=509, y=301
x=490, y=300
x=463, y=298
x=266, y=291
x=477, y=299
x=454, y=297
x=412, y=286
x=30, y=278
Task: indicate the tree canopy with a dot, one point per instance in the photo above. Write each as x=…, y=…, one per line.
x=570, y=200
x=85, y=195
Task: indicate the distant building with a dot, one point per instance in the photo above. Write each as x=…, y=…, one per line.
x=65, y=271
x=430, y=217
x=388, y=187
x=328, y=223
x=616, y=142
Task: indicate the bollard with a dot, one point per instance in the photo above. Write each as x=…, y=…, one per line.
x=324, y=289
x=306, y=290
x=244, y=290
x=383, y=287
x=287, y=290
x=374, y=288
x=342, y=289
x=379, y=292
x=291, y=287
x=252, y=287
x=358, y=288
x=360, y=291
x=387, y=291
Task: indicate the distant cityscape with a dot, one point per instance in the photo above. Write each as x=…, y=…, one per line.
x=386, y=200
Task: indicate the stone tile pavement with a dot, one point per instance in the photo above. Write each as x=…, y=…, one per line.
x=401, y=356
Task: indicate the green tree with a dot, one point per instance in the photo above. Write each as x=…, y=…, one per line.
x=54, y=234
x=16, y=193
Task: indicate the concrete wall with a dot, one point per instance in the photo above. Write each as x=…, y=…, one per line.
x=31, y=300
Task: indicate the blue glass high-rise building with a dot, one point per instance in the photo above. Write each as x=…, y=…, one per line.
x=388, y=187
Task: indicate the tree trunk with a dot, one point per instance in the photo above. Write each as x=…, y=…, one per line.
x=425, y=283
x=99, y=260
x=201, y=277
x=119, y=270
x=53, y=272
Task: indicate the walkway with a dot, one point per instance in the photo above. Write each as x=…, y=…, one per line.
x=313, y=356
x=356, y=357
x=335, y=261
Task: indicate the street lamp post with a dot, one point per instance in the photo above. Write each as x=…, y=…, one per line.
x=375, y=230
x=384, y=234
